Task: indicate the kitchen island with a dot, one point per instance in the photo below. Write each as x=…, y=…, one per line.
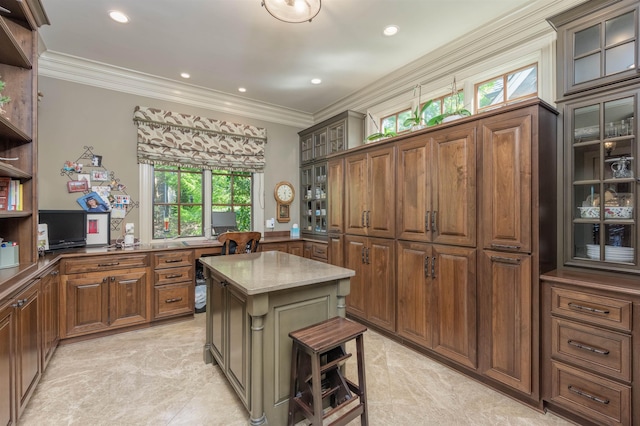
x=253, y=301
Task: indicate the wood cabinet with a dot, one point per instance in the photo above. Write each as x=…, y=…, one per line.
x=174, y=284
x=291, y=247
x=50, y=295
x=99, y=295
x=369, y=193
x=590, y=328
x=20, y=351
x=335, y=214
x=18, y=123
x=316, y=251
x=372, y=295
x=436, y=193
x=335, y=248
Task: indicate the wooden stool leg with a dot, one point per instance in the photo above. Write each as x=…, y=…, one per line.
x=364, y=418
x=317, y=389
x=292, y=384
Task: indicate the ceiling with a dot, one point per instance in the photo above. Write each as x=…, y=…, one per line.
x=227, y=44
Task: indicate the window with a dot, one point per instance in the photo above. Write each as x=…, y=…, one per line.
x=514, y=85
x=395, y=122
x=231, y=191
x=444, y=104
x=179, y=199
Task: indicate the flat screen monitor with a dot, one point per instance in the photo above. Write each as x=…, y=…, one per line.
x=65, y=228
x=223, y=222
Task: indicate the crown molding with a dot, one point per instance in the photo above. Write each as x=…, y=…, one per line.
x=510, y=32
x=83, y=71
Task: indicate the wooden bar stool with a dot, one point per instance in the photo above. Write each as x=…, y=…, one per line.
x=317, y=380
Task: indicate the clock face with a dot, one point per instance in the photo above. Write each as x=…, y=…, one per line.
x=284, y=193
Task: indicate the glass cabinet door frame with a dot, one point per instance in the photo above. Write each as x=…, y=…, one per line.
x=598, y=146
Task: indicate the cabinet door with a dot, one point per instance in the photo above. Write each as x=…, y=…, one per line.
x=414, y=190
x=335, y=218
x=50, y=315
x=128, y=299
x=380, y=216
x=414, y=292
x=355, y=194
x=86, y=303
x=454, y=304
x=380, y=282
x=506, y=319
x=336, y=250
x=238, y=342
x=7, y=366
x=453, y=182
x=217, y=306
x=28, y=345
x=295, y=248
x=354, y=250
x=506, y=186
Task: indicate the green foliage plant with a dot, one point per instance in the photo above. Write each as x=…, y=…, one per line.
x=417, y=115
x=381, y=135
x=3, y=99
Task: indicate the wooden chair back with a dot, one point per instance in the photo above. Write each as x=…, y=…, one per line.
x=232, y=240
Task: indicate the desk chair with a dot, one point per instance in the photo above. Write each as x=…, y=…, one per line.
x=231, y=240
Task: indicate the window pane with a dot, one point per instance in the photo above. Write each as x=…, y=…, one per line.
x=522, y=83
x=389, y=123
x=165, y=221
x=619, y=29
x=619, y=58
x=587, y=68
x=402, y=116
x=454, y=103
x=191, y=188
x=587, y=40
x=220, y=188
x=432, y=110
x=191, y=221
x=242, y=189
x=243, y=216
x=166, y=187
x=490, y=93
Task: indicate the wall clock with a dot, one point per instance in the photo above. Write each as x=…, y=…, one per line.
x=284, y=194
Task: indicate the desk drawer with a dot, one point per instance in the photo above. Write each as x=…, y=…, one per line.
x=594, y=397
x=319, y=252
x=173, y=259
x=173, y=275
x=599, y=350
x=173, y=299
x=103, y=263
x=595, y=309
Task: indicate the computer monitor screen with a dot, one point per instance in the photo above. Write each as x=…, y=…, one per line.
x=223, y=222
x=66, y=228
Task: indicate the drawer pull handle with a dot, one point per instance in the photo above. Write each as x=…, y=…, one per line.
x=426, y=267
x=108, y=264
x=587, y=347
x=173, y=260
x=174, y=300
x=427, y=221
x=505, y=247
x=434, y=221
x=174, y=276
x=587, y=395
x=505, y=259
x=587, y=308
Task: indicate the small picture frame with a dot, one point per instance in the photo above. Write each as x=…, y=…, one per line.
x=93, y=203
x=98, y=229
x=99, y=175
x=96, y=161
x=77, y=186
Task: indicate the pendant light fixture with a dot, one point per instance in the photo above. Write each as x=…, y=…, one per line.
x=292, y=11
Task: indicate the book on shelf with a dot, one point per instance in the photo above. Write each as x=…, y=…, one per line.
x=15, y=190
x=4, y=192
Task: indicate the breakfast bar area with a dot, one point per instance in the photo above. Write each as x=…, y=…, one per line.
x=254, y=301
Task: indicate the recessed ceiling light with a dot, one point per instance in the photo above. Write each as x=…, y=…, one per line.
x=390, y=30
x=185, y=75
x=242, y=89
x=118, y=16
x=316, y=81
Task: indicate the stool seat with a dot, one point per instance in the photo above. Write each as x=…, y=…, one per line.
x=317, y=373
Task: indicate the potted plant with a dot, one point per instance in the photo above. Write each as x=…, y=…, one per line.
x=416, y=120
x=386, y=133
x=458, y=110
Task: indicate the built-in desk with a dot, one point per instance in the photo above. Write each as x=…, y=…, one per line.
x=253, y=302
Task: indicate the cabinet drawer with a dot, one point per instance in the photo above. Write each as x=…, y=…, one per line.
x=173, y=299
x=173, y=259
x=594, y=397
x=103, y=263
x=596, y=349
x=319, y=252
x=173, y=275
x=595, y=309
x=273, y=247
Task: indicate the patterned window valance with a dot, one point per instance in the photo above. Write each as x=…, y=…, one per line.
x=171, y=138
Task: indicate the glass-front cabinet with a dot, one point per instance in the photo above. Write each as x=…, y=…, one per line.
x=602, y=208
x=314, y=198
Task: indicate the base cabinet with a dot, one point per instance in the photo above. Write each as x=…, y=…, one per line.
x=173, y=284
x=100, y=296
x=50, y=292
x=372, y=294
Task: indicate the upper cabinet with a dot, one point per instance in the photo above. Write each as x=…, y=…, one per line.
x=597, y=45
x=19, y=22
x=336, y=134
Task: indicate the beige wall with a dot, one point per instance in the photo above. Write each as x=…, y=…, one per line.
x=72, y=116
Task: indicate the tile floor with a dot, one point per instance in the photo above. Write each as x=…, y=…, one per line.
x=156, y=376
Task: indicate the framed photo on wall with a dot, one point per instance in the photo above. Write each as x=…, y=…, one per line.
x=98, y=229
x=77, y=186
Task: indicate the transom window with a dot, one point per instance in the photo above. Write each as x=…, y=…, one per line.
x=514, y=85
x=441, y=105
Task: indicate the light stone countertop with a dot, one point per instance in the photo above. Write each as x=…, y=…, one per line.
x=256, y=273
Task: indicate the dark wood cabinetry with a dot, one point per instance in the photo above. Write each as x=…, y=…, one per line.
x=173, y=284
x=50, y=295
x=98, y=294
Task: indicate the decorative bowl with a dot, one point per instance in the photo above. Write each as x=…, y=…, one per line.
x=589, y=212
x=618, y=212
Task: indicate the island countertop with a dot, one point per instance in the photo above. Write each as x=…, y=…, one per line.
x=263, y=272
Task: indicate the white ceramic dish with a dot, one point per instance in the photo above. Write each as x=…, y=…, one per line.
x=618, y=212
x=589, y=212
